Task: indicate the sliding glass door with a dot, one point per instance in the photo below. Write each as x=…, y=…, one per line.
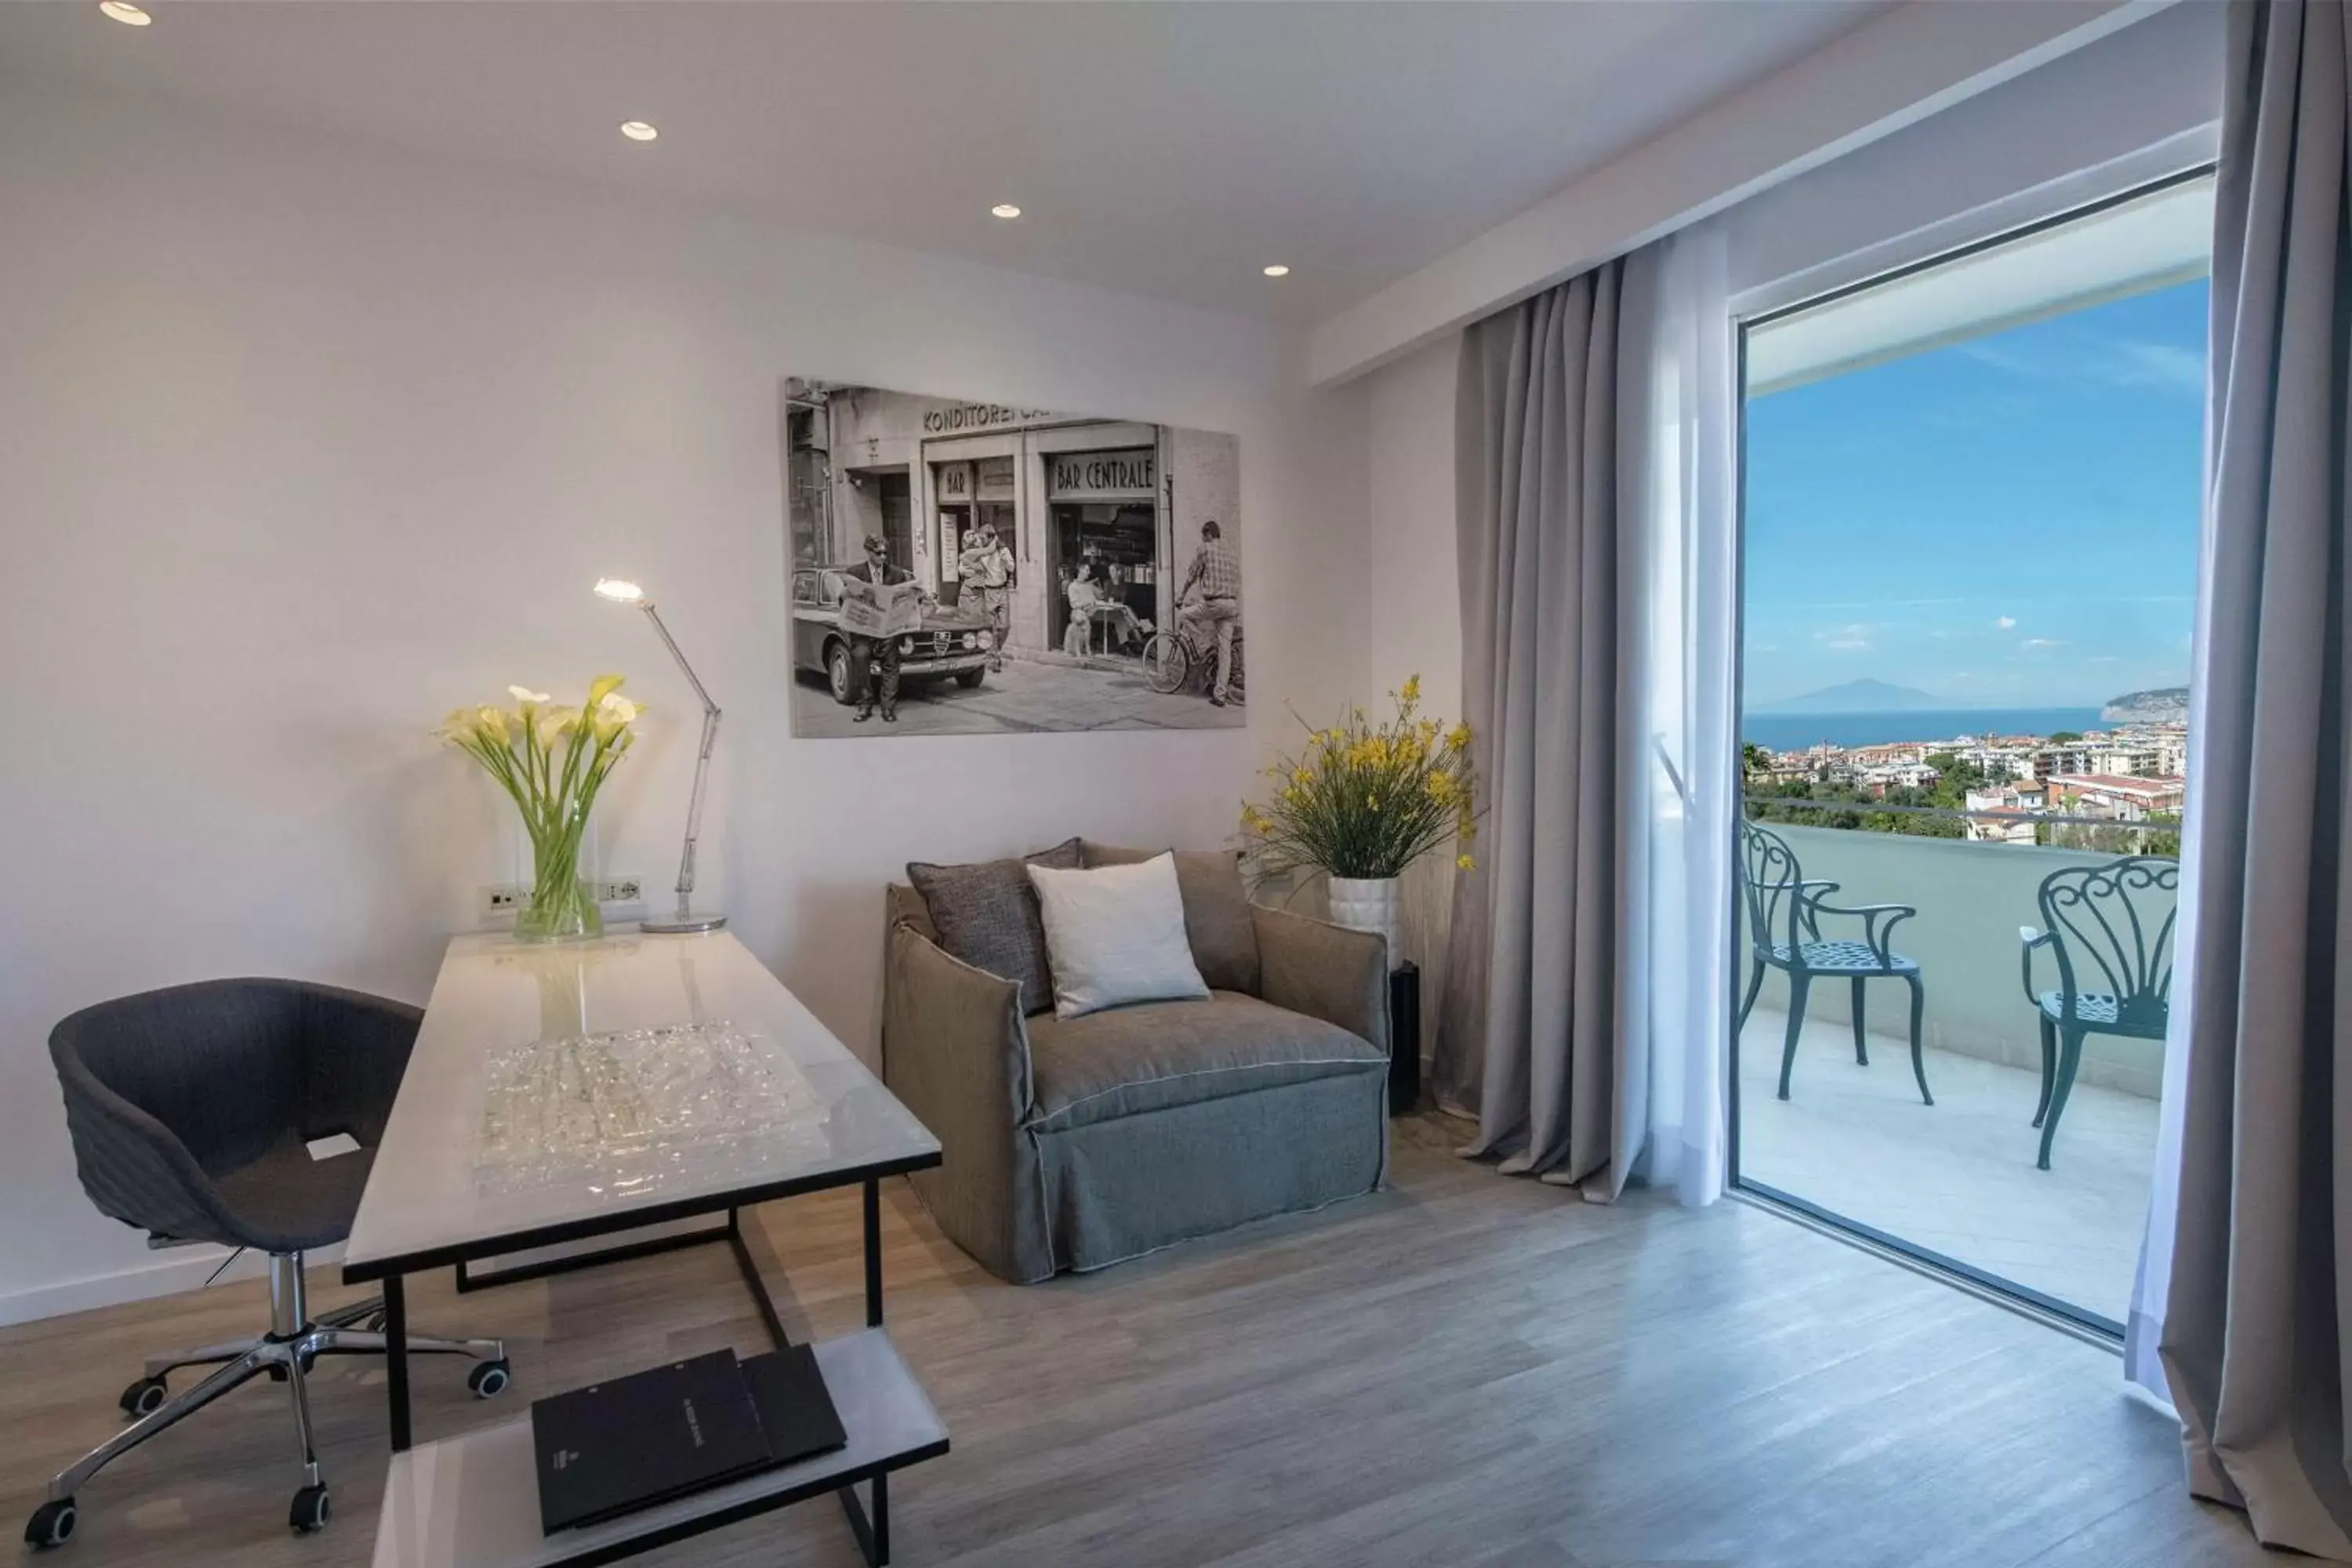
x=1970, y=503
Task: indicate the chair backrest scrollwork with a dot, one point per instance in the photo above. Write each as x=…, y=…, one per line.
x=2113, y=926
x=1772, y=877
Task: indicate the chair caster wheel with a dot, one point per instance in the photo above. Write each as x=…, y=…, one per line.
x=144, y=1398
x=488, y=1379
x=52, y=1523
x=310, y=1510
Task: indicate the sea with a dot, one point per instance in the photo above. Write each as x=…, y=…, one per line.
x=1794, y=731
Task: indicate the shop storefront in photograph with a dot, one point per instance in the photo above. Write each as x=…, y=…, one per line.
x=1084, y=533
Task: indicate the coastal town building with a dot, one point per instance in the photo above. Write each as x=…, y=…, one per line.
x=2121, y=797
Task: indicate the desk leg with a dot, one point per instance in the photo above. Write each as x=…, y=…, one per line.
x=873, y=1534
x=395, y=1357
x=872, y=1529
x=873, y=1254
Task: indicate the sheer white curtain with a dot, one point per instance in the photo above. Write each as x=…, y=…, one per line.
x=1677, y=448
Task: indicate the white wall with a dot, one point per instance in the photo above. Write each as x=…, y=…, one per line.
x=2126, y=109
x=302, y=445
x=1416, y=605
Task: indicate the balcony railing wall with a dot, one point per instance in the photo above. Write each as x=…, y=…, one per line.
x=1971, y=899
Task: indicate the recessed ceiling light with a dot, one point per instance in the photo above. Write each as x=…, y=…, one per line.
x=124, y=11
x=638, y=130
x=1006, y=210
x=1277, y=271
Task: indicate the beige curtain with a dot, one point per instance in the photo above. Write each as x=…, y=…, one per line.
x=2261, y=1298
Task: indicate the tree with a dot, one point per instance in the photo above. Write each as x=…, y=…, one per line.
x=1755, y=762
x=2064, y=738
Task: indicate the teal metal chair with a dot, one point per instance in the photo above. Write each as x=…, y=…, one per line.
x=1784, y=911
x=2106, y=925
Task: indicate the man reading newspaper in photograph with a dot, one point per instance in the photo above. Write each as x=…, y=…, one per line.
x=878, y=603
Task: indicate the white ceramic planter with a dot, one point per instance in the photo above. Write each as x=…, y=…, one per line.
x=1371, y=903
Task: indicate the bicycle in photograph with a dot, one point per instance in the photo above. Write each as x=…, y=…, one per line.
x=1178, y=660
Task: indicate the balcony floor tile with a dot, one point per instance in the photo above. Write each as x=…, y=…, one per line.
x=1958, y=1177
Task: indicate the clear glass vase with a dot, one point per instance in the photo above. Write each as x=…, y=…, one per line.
x=562, y=908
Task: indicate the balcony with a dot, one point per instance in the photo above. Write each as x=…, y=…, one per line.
x=1957, y=1178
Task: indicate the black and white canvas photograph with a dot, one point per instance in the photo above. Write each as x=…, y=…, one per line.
x=975, y=568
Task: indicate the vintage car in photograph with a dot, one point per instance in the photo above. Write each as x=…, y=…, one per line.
x=948, y=642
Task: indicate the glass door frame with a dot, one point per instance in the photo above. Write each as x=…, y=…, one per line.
x=2079, y=1320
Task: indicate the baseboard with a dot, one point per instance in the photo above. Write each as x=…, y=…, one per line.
x=171, y=1271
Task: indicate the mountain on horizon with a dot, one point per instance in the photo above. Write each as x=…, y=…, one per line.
x=1858, y=697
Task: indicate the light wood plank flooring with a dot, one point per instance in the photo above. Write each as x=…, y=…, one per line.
x=1462, y=1370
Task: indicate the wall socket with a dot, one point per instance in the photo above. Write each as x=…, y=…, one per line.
x=499, y=900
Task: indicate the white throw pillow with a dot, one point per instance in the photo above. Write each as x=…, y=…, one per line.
x=1115, y=935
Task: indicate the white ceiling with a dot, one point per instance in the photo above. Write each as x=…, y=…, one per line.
x=1166, y=149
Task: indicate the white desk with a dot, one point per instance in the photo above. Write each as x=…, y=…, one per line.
x=435, y=1199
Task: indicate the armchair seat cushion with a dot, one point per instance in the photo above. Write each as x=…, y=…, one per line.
x=1158, y=1055
x=290, y=1201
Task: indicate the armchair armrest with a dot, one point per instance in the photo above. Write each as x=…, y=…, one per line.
x=1873, y=932
x=1324, y=970
x=2031, y=939
x=1801, y=924
x=355, y=1049
x=133, y=1167
x=956, y=1051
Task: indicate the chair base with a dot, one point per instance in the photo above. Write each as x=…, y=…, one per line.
x=286, y=1354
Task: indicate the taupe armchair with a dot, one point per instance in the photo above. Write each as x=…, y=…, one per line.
x=1075, y=1143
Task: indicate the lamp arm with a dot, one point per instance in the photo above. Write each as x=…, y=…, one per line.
x=701, y=762
x=709, y=707
x=694, y=812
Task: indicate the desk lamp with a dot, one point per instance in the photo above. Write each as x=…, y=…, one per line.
x=625, y=593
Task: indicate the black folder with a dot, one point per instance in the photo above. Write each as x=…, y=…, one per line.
x=627, y=1444
x=795, y=1411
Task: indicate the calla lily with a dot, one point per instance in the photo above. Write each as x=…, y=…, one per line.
x=555, y=723
x=614, y=716
x=538, y=755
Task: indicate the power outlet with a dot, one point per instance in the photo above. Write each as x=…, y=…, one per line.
x=501, y=901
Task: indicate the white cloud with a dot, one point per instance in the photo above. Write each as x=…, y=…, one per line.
x=2031, y=643
x=2005, y=622
x=2097, y=357
x=1845, y=639
x=2166, y=365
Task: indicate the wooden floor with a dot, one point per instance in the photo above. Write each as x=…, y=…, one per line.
x=1462, y=1370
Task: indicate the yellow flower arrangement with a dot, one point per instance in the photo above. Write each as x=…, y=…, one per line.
x=1368, y=800
x=551, y=760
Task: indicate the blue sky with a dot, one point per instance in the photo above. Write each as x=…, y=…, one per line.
x=2006, y=523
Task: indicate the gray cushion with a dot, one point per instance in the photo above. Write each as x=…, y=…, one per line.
x=987, y=916
x=1156, y=1054
x=1216, y=911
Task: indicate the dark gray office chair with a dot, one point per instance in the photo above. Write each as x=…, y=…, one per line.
x=190, y=1109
